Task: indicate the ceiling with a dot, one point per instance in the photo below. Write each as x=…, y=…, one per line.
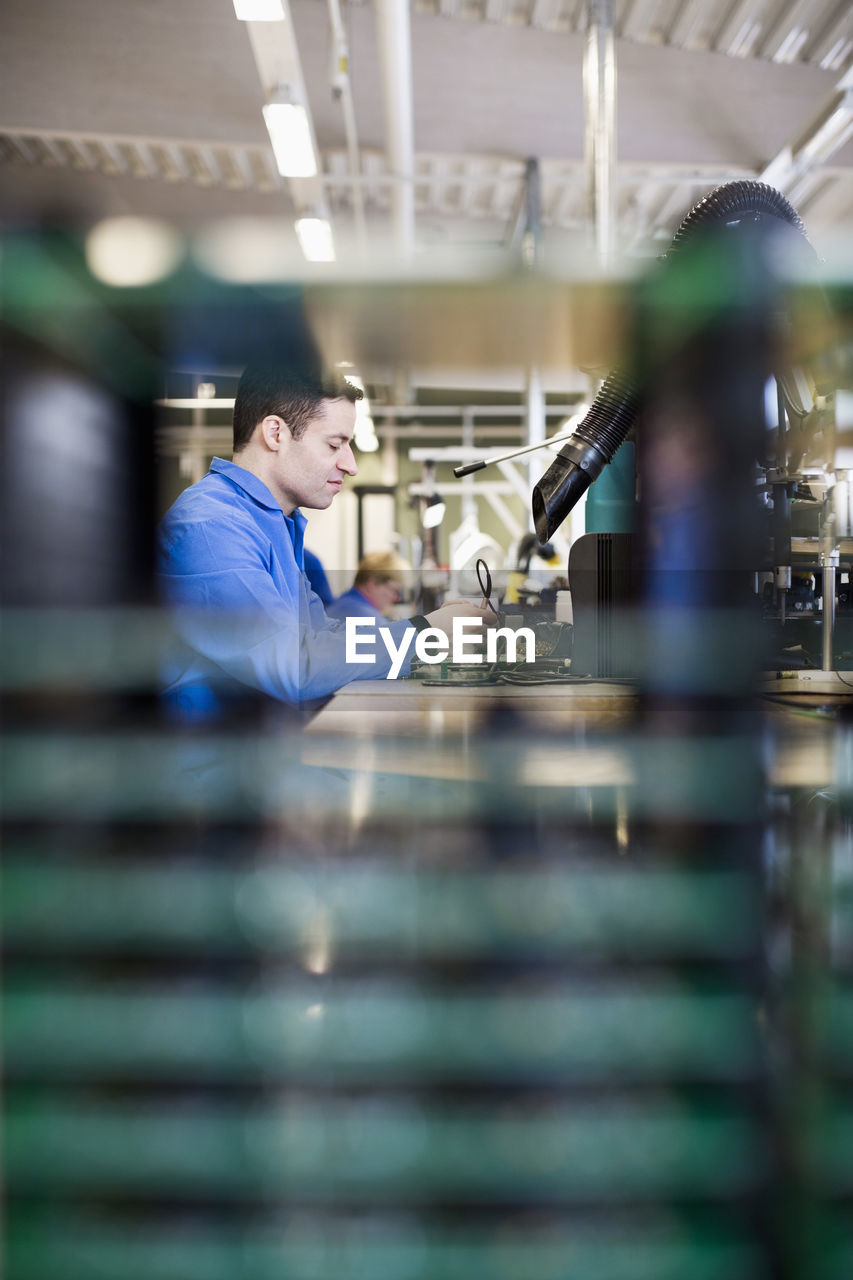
x=154, y=108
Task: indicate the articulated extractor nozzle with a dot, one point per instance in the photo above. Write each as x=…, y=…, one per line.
x=582, y=459
x=617, y=404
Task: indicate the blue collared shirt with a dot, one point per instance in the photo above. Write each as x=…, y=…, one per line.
x=316, y=575
x=353, y=604
x=231, y=567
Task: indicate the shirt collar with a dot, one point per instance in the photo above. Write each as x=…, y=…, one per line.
x=255, y=488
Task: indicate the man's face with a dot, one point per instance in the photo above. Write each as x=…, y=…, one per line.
x=310, y=471
x=382, y=594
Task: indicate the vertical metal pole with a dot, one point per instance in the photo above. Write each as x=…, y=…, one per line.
x=599, y=84
x=781, y=511
x=395, y=43
x=469, y=501
x=531, y=242
x=782, y=432
x=531, y=248
x=342, y=89
x=535, y=406
x=828, y=614
x=829, y=563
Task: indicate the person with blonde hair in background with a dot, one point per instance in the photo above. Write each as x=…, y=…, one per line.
x=377, y=587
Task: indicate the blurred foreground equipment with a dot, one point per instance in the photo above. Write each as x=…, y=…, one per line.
x=451, y=1003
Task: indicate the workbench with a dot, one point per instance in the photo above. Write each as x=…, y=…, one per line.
x=550, y=735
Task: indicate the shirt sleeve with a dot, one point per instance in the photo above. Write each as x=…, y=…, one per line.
x=316, y=575
x=269, y=635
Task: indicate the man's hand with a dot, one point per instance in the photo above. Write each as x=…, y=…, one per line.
x=442, y=619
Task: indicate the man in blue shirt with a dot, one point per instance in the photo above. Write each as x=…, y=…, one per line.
x=316, y=575
x=232, y=560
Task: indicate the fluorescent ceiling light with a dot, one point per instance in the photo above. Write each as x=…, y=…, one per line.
x=259, y=10
x=290, y=135
x=315, y=237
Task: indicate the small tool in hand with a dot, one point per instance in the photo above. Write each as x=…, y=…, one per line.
x=484, y=577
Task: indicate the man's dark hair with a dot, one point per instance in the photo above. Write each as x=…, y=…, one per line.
x=292, y=394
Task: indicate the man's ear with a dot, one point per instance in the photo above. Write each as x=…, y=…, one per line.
x=273, y=430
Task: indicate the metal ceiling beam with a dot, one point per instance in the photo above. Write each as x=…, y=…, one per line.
x=675, y=205
x=172, y=160
x=689, y=28
x=545, y=14
x=806, y=31
x=481, y=187
x=637, y=23
x=145, y=165
x=526, y=233
x=831, y=201
x=742, y=29
x=637, y=221
x=178, y=169
x=213, y=172
x=833, y=46
x=790, y=170
x=54, y=153
x=787, y=37
x=496, y=10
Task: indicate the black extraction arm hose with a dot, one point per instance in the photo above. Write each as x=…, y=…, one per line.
x=615, y=408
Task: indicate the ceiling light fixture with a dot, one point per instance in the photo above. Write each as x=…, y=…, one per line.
x=315, y=239
x=259, y=10
x=433, y=512
x=290, y=134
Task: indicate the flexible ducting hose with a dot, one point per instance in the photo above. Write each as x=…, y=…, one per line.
x=615, y=408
